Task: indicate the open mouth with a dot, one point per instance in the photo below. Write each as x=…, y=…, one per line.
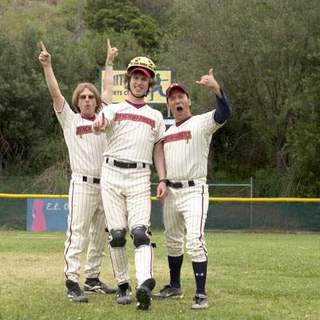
x=179, y=109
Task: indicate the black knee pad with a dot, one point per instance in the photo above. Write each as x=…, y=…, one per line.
x=141, y=236
x=117, y=238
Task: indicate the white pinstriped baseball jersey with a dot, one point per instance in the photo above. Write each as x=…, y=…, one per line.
x=132, y=131
x=85, y=149
x=86, y=219
x=186, y=147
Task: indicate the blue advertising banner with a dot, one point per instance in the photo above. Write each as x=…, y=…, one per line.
x=47, y=215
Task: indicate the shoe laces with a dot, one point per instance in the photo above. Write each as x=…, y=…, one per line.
x=199, y=297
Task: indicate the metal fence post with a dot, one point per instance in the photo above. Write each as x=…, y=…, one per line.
x=251, y=207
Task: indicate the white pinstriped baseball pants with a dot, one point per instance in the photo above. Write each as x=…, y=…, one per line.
x=86, y=222
x=185, y=214
x=126, y=199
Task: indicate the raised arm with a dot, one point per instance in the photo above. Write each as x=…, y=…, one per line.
x=45, y=60
x=112, y=52
x=223, y=108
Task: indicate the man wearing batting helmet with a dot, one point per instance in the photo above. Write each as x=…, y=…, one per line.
x=86, y=219
x=133, y=130
x=186, y=149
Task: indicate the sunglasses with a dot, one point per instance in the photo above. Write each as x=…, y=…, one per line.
x=85, y=96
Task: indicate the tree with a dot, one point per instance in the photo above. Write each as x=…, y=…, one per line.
x=304, y=139
x=29, y=132
x=122, y=16
x=156, y=9
x=257, y=50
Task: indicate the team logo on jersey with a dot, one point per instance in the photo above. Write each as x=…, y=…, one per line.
x=183, y=135
x=134, y=117
x=83, y=130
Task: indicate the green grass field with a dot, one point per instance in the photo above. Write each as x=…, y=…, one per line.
x=250, y=276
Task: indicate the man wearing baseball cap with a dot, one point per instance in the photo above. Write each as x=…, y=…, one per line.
x=186, y=149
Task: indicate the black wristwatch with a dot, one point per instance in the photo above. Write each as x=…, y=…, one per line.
x=164, y=180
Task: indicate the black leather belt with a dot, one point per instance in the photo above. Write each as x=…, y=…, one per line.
x=94, y=180
x=125, y=165
x=178, y=185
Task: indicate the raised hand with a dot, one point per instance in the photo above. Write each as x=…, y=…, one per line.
x=99, y=125
x=112, y=52
x=44, y=57
x=209, y=81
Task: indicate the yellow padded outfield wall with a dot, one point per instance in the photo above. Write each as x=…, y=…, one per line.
x=214, y=199
x=23, y=212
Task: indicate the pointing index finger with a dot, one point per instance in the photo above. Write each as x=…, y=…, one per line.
x=43, y=48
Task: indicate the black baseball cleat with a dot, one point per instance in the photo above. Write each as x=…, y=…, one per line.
x=95, y=285
x=124, y=294
x=144, y=295
x=200, y=301
x=169, y=292
x=74, y=293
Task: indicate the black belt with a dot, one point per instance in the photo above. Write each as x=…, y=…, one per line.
x=94, y=180
x=179, y=185
x=125, y=165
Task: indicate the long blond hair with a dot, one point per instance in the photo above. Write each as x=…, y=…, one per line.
x=77, y=91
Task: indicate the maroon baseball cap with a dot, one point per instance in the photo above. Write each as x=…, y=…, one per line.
x=178, y=86
x=142, y=70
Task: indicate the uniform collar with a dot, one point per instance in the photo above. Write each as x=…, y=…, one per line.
x=182, y=121
x=136, y=105
x=91, y=118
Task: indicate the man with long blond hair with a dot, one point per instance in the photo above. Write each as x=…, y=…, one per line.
x=86, y=219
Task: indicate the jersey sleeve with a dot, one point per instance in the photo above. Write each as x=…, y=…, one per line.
x=208, y=123
x=66, y=116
